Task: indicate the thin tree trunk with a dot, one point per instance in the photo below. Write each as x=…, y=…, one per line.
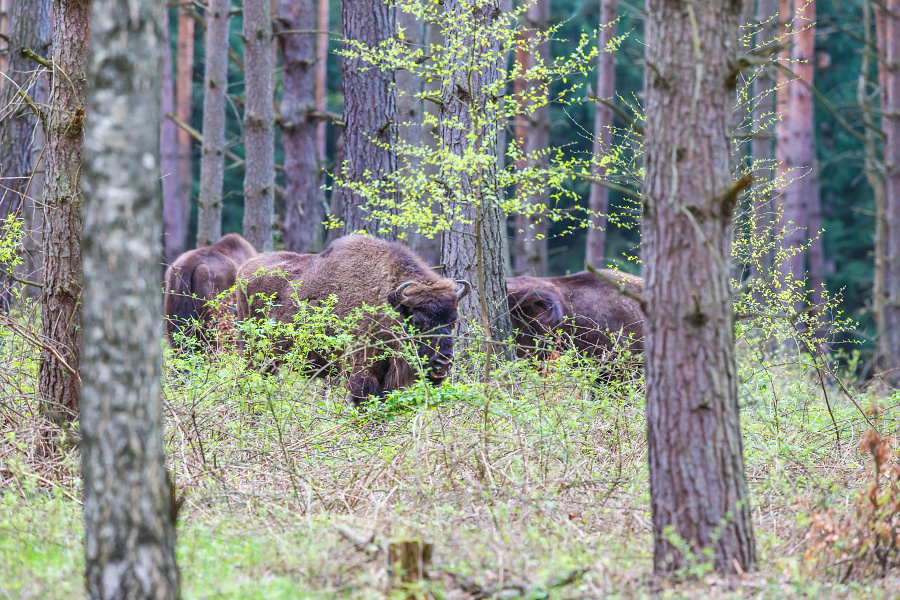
x=883, y=358
x=533, y=132
x=174, y=226
x=891, y=128
x=322, y=77
x=474, y=248
x=259, y=124
x=184, y=105
x=4, y=29
x=128, y=514
x=370, y=114
x=28, y=27
x=302, y=227
x=603, y=121
x=410, y=111
x=698, y=493
x=796, y=198
x=763, y=110
x=61, y=249
x=212, y=154
x=816, y=246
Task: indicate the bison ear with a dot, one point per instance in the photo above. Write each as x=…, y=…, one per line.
x=538, y=307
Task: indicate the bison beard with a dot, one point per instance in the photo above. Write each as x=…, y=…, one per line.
x=584, y=307
x=195, y=278
x=362, y=271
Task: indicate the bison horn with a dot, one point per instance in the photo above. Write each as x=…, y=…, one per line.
x=399, y=292
x=464, y=291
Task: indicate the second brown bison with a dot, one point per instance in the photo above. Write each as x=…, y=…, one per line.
x=588, y=310
x=195, y=278
x=358, y=270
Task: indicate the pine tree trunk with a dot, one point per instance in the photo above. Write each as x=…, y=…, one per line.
x=410, y=111
x=174, y=225
x=128, y=514
x=184, y=86
x=763, y=148
x=533, y=132
x=322, y=77
x=796, y=196
x=698, y=492
x=474, y=249
x=212, y=153
x=28, y=27
x=370, y=113
x=259, y=125
x=302, y=228
x=872, y=168
x=61, y=241
x=430, y=137
x=891, y=128
x=595, y=252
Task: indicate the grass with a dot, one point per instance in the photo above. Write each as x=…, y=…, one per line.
x=532, y=486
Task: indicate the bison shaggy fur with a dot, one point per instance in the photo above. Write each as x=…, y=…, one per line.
x=195, y=278
x=358, y=270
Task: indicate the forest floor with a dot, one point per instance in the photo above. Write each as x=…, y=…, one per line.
x=533, y=485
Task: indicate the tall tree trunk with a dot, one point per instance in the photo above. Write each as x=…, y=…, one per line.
x=212, y=153
x=697, y=487
x=872, y=168
x=410, y=112
x=474, y=248
x=129, y=519
x=302, y=228
x=184, y=105
x=595, y=251
x=259, y=125
x=28, y=27
x=796, y=195
x=763, y=148
x=174, y=226
x=370, y=113
x=61, y=240
x=4, y=29
x=533, y=132
x=891, y=128
x=322, y=77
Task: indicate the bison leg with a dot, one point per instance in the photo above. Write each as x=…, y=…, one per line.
x=364, y=385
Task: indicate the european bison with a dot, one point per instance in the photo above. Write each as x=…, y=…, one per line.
x=198, y=276
x=586, y=308
x=358, y=270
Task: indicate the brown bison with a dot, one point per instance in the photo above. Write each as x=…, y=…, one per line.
x=358, y=270
x=198, y=276
x=584, y=307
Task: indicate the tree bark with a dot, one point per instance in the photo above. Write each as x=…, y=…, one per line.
x=28, y=27
x=474, y=249
x=212, y=154
x=799, y=147
x=370, y=114
x=533, y=132
x=128, y=515
x=410, y=113
x=698, y=493
x=184, y=105
x=259, y=125
x=872, y=167
x=891, y=128
x=322, y=77
x=174, y=225
x=595, y=252
x=302, y=228
x=61, y=240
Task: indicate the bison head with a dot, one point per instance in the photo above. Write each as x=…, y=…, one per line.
x=429, y=310
x=535, y=313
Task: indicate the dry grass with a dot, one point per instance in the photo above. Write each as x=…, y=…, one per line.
x=532, y=485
